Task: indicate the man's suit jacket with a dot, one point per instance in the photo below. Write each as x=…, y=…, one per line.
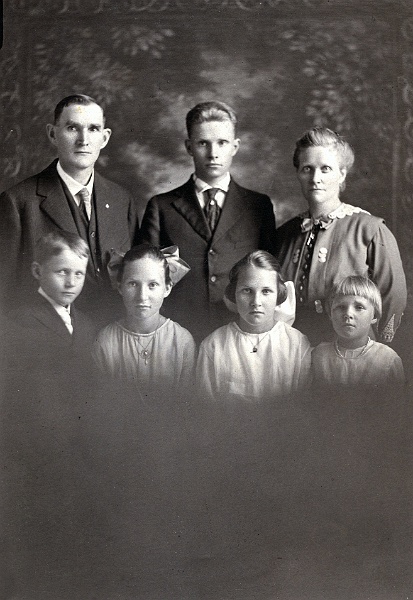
x=39, y=205
x=247, y=223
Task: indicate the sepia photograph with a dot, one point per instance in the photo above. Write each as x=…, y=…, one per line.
x=206, y=277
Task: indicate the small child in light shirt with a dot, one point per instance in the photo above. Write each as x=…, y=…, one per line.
x=354, y=358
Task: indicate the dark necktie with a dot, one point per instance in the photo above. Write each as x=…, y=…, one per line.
x=212, y=210
x=85, y=204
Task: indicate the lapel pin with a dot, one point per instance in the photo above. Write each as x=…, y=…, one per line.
x=107, y=205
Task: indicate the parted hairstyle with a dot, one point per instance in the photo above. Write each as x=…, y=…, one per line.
x=262, y=260
x=53, y=244
x=74, y=99
x=144, y=251
x=356, y=285
x=210, y=111
x=322, y=136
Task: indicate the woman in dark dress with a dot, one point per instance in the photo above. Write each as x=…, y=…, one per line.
x=332, y=240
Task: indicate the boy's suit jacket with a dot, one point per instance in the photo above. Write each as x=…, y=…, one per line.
x=247, y=223
x=39, y=205
x=38, y=338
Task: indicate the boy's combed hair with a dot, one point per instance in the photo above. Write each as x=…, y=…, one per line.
x=73, y=99
x=144, y=251
x=326, y=138
x=53, y=243
x=356, y=285
x=262, y=260
x=210, y=111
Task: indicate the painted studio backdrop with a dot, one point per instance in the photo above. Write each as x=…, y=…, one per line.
x=283, y=66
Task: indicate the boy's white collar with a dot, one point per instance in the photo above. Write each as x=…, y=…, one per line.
x=58, y=307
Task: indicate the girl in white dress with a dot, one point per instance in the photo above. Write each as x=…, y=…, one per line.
x=145, y=347
x=354, y=358
x=259, y=356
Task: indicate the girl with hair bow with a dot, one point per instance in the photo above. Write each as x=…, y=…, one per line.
x=145, y=347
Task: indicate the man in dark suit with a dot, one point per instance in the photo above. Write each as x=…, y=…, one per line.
x=213, y=220
x=68, y=195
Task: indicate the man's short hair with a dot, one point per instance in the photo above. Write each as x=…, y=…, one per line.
x=210, y=111
x=74, y=99
x=53, y=243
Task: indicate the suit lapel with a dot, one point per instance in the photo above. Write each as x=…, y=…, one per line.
x=44, y=312
x=233, y=209
x=54, y=202
x=105, y=206
x=188, y=206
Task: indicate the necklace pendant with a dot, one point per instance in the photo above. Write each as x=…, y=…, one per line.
x=255, y=349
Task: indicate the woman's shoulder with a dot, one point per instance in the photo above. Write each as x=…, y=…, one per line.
x=357, y=214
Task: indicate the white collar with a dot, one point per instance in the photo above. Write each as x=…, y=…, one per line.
x=222, y=184
x=73, y=185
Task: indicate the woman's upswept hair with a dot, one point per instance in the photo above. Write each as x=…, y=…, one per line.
x=322, y=136
x=262, y=260
x=144, y=251
x=356, y=285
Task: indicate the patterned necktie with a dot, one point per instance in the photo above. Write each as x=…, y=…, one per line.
x=212, y=210
x=85, y=204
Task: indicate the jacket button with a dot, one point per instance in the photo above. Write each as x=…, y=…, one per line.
x=213, y=278
x=92, y=235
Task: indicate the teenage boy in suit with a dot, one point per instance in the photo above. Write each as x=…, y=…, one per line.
x=211, y=218
x=68, y=195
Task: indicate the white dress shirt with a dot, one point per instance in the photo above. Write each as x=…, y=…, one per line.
x=222, y=185
x=74, y=186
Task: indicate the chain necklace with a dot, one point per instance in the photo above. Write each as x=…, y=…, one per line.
x=259, y=340
x=145, y=352
x=362, y=351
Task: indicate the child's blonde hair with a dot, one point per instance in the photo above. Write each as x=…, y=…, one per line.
x=53, y=243
x=356, y=285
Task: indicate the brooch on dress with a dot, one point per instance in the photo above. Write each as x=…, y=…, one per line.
x=296, y=255
x=322, y=255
